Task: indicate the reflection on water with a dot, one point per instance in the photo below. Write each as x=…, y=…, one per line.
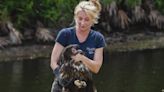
x=121, y=72
x=26, y=76
x=133, y=72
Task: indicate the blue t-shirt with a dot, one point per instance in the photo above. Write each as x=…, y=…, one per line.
x=94, y=40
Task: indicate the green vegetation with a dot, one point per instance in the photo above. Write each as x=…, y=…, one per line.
x=25, y=13
x=52, y=13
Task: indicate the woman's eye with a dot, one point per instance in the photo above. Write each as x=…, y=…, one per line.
x=86, y=19
x=80, y=18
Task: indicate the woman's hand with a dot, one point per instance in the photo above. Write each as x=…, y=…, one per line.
x=93, y=65
x=77, y=57
x=56, y=71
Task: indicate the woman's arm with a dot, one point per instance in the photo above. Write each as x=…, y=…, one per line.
x=55, y=55
x=93, y=65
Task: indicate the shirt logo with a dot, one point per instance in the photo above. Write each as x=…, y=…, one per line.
x=90, y=50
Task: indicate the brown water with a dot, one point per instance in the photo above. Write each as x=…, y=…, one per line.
x=140, y=71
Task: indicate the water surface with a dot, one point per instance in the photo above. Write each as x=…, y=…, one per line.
x=139, y=71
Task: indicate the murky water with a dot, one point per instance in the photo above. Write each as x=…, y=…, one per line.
x=141, y=71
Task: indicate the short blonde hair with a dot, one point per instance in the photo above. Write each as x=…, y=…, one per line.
x=91, y=7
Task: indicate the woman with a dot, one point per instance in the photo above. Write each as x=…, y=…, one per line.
x=86, y=14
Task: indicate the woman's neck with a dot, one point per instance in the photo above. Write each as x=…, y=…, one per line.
x=82, y=32
x=82, y=35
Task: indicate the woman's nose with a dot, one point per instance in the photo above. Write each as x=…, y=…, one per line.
x=82, y=22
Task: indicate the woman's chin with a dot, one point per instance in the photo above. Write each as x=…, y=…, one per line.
x=81, y=29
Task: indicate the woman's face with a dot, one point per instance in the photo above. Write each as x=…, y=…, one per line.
x=83, y=21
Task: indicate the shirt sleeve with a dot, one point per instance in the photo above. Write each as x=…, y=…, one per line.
x=100, y=41
x=63, y=37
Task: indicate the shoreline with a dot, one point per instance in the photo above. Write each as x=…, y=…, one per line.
x=131, y=43
x=19, y=53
